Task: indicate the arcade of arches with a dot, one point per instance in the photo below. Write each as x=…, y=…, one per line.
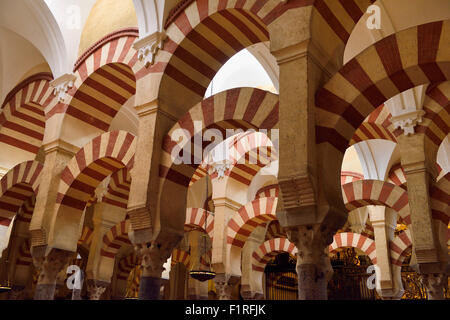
x=332, y=184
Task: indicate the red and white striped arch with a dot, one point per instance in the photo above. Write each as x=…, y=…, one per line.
x=106, y=77
x=115, y=238
x=268, y=191
x=126, y=264
x=332, y=23
x=86, y=237
x=180, y=256
x=241, y=108
x=248, y=217
x=377, y=125
x=400, y=247
x=269, y=249
x=397, y=176
x=204, y=34
x=102, y=156
x=368, y=231
x=195, y=219
x=118, y=188
x=409, y=58
x=248, y=152
x=26, y=211
x=23, y=113
x=350, y=176
x=17, y=186
x=435, y=124
x=274, y=230
x=24, y=257
x=354, y=240
x=375, y=192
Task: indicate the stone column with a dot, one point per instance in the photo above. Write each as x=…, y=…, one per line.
x=224, y=286
x=153, y=256
x=104, y=218
x=435, y=284
x=49, y=267
x=224, y=210
x=178, y=279
x=251, y=281
x=155, y=229
x=310, y=204
x=57, y=154
x=382, y=219
x=419, y=173
x=429, y=257
x=313, y=262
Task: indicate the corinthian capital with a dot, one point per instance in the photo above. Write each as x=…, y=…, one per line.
x=408, y=121
x=434, y=284
x=148, y=47
x=62, y=85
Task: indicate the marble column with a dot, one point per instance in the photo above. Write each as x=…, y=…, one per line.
x=49, y=267
x=224, y=286
x=153, y=257
x=313, y=262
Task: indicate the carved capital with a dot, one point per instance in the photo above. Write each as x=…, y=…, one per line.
x=62, y=85
x=224, y=286
x=95, y=292
x=153, y=256
x=408, y=121
x=435, y=283
x=220, y=168
x=148, y=47
x=50, y=265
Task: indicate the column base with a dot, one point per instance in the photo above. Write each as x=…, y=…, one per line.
x=45, y=292
x=149, y=288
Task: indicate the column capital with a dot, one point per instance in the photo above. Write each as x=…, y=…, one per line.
x=153, y=256
x=226, y=202
x=434, y=284
x=61, y=146
x=224, y=285
x=148, y=46
x=96, y=288
x=407, y=121
x=62, y=85
x=51, y=264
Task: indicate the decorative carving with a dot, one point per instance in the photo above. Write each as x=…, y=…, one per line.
x=95, y=291
x=148, y=47
x=221, y=168
x=224, y=286
x=313, y=263
x=153, y=256
x=50, y=265
x=102, y=189
x=435, y=283
x=408, y=121
x=62, y=85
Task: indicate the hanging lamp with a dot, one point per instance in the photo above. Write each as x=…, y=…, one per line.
x=204, y=275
